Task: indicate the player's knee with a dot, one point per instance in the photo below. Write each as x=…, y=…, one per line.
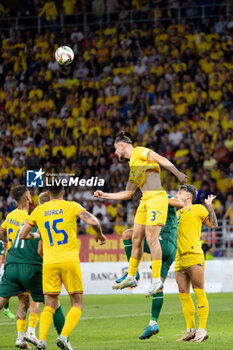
x=152, y=241
x=2, y=302
x=137, y=242
x=183, y=289
x=127, y=234
x=34, y=307
x=198, y=285
x=78, y=305
x=77, y=300
x=23, y=307
x=51, y=301
x=24, y=302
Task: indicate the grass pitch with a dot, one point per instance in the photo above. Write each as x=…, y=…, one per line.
x=114, y=322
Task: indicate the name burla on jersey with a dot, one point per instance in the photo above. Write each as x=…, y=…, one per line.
x=53, y=212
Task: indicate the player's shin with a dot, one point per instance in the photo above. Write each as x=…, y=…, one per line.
x=202, y=307
x=33, y=320
x=157, y=304
x=156, y=255
x=6, y=306
x=133, y=266
x=45, y=322
x=71, y=321
x=128, y=247
x=156, y=268
x=59, y=319
x=188, y=309
x=21, y=328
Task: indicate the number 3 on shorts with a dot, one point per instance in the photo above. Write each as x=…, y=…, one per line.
x=154, y=215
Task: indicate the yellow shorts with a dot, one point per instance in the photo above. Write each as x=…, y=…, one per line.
x=67, y=273
x=152, y=209
x=183, y=262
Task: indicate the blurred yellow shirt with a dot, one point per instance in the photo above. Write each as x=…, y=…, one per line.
x=69, y=6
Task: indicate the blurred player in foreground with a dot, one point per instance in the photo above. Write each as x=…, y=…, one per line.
x=57, y=223
x=8, y=232
x=151, y=214
x=23, y=272
x=168, y=242
x=190, y=262
x=7, y=312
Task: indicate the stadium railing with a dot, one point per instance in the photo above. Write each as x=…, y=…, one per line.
x=221, y=238
x=195, y=15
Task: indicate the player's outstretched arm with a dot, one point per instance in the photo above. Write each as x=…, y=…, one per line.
x=3, y=235
x=90, y=219
x=155, y=157
x=26, y=233
x=175, y=202
x=212, y=221
x=127, y=194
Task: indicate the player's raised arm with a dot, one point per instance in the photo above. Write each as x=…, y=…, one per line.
x=178, y=203
x=127, y=194
x=155, y=157
x=90, y=219
x=212, y=220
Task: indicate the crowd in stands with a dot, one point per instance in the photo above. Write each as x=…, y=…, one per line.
x=113, y=10
x=169, y=86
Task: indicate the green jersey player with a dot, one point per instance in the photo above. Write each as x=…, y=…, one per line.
x=7, y=312
x=168, y=242
x=23, y=272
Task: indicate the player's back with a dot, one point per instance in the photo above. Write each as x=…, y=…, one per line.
x=13, y=222
x=57, y=222
x=24, y=251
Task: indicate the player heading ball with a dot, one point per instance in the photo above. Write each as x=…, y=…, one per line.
x=151, y=214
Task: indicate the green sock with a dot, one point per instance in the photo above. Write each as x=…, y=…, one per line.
x=6, y=306
x=157, y=304
x=128, y=247
x=59, y=320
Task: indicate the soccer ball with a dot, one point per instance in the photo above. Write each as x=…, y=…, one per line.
x=64, y=55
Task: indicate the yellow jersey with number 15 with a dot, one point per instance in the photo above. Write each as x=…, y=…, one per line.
x=12, y=224
x=57, y=222
x=190, y=220
x=139, y=164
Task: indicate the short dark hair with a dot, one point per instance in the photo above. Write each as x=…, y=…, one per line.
x=191, y=189
x=121, y=137
x=19, y=192
x=56, y=189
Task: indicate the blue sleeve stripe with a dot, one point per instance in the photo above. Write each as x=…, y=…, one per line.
x=148, y=154
x=206, y=218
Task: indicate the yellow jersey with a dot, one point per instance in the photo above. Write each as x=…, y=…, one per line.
x=190, y=220
x=12, y=224
x=57, y=222
x=139, y=164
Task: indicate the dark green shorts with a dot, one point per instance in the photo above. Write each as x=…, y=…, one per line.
x=168, y=254
x=1, y=248
x=19, y=278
